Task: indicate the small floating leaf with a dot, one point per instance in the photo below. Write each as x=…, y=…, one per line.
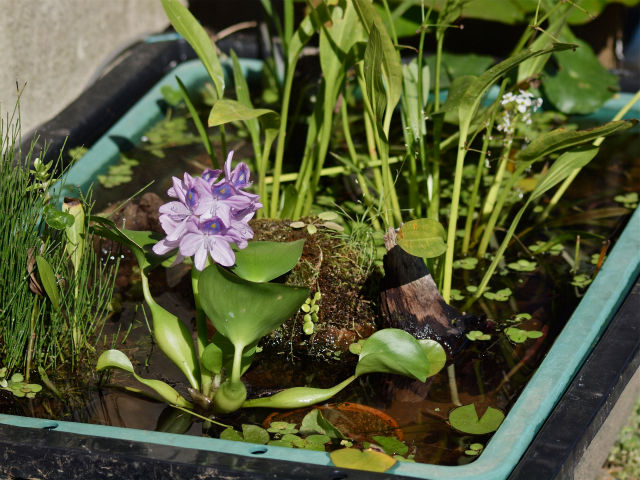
x=254, y=434
x=424, y=238
x=391, y=445
x=465, y=419
x=368, y=460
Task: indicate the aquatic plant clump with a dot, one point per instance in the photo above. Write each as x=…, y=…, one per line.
x=208, y=216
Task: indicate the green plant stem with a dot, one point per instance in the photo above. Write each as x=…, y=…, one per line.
x=277, y=167
x=473, y=200
x=201, y=417
x=433, y=193
x=236, y=369
x=32, y=338
x=453, y=215
x=497, y=181
x=453, y=385
x=375, y=150
x=436, y=89
x=223, y=144
x=201, y=328
x=366, y=196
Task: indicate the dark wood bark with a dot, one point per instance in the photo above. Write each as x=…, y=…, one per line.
x=410, y=300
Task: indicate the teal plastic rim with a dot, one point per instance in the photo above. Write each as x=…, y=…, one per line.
x=543, y=391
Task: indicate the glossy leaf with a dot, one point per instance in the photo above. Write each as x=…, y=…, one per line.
x=298, y=397
x=48, y=278
x=436, y=355
x=187, y=26
x=264, y=261
x=369, y=460
x=246, y=311
x=465, y=419
x=392, y=350
x=424, y=238
x=57, y=219
x=117, y=359
x=227, y=110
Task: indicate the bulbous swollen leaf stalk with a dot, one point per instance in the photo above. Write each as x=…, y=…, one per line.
x=229, y=397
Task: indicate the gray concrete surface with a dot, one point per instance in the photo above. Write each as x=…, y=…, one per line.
x=56, y=47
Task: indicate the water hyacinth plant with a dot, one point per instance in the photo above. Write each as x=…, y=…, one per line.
x=208, y=226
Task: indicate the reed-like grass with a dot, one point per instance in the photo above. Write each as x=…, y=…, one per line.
x=32, y=332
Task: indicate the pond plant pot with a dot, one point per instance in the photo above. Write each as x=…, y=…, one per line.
x=561, y=408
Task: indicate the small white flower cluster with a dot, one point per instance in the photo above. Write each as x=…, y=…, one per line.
x=517, y=108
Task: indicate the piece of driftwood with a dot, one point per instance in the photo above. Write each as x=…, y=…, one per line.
x=410, y=300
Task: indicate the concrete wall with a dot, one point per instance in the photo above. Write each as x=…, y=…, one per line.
x=56, y=47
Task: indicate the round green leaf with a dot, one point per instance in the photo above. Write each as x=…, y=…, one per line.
x=264, y=261
x=255, y=434
x=465, y=419
x=424, y=238
x=392, y=350
x=245, y=311
x=368, y=460
x=436, y=355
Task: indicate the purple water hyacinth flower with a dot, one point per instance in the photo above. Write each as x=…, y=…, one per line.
x=181, y=211
x=208, y=215
x=208, y=238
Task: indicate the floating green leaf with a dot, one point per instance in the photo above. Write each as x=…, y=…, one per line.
x=465, y=419
x=369, y=460
x=392, y=350
x=424, y=238
x=468, y=263
x=391, y=445
x=264, y=261
x=517, y=335
x=474, y=335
